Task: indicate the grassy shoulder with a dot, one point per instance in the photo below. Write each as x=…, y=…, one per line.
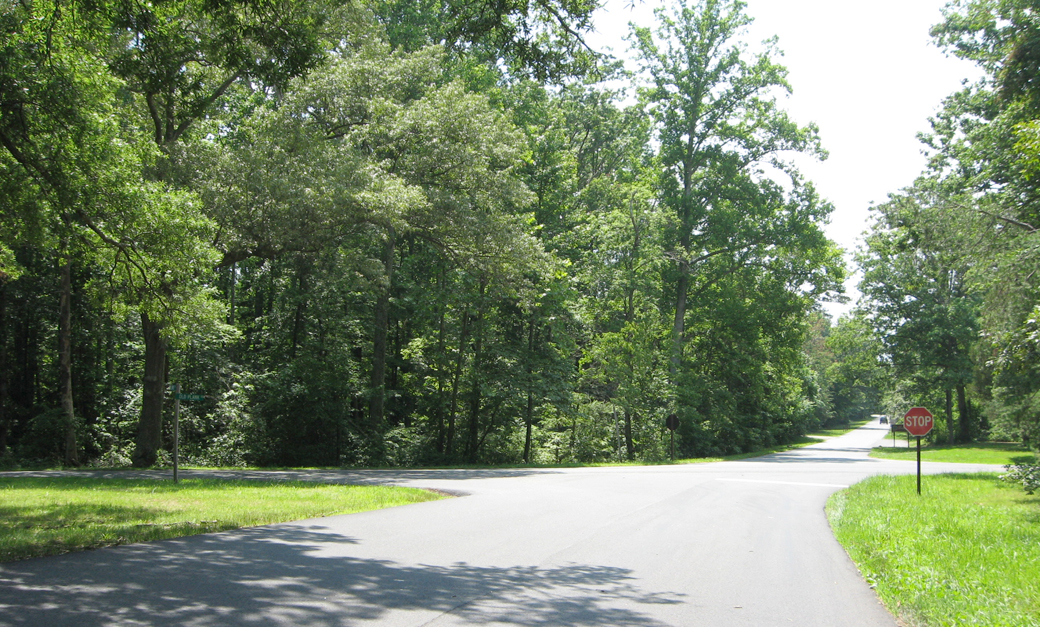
x=965, y=552
x=974, y=453
x=833, y=432
x=53, y=515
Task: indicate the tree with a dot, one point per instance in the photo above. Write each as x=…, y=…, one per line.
x=722, y=139
x=179, y=59
x=855, y=375
x=63, y=126
x=540, y=39
x=915, y=281
x=983, y=151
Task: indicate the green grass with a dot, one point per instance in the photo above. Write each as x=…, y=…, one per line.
x=836, y=431
x=976, y=453
x=966, y=552
x=49, y=516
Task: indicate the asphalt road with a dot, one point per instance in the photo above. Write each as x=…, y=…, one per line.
x=730, y=543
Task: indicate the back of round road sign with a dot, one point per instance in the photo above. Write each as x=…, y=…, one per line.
x=918, y=422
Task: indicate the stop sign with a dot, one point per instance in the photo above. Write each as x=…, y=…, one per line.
x=918, y=421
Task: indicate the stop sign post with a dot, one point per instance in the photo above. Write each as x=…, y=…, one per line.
x=918, y=422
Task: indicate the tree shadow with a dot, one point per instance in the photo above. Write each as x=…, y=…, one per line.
x=66, y=515
x=306, y=576
x=801, y=456
x=393, y=476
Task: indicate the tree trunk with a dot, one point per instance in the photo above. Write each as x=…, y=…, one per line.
x=456, y=380
x=301, y=307
x=574, y=433
x=149, y=429
x=529, y=412
x=476, y=391
x=475, y=395
x=962, y=414
x=65, y=359
x=528, y=422
x=231, y=307
x=3, y=367
x=630, y=448
x=679, y=325
x=381, y=326
x=233, y=273
x=949, y=417
x=397, y=412
x=438, y=411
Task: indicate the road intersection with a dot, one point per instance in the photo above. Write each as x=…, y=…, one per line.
x=720, y=544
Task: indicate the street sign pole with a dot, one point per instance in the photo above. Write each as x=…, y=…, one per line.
x=176, y=426
x=919, y=466
x=672, y=422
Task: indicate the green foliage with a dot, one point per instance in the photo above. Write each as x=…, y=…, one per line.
x=1026, y=474
x=921, y=302
x=746, y=251
x=950, y=272
x=541, y=39
x=856, y=374
x=372, y=234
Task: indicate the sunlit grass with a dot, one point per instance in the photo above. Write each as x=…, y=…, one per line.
x=49, y=516
x=966, y=552
x=834, y=432
x=976, y=453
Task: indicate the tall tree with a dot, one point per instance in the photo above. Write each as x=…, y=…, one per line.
x=915, y=280
x=179, y=59
x=722, y=136
x=984, y=151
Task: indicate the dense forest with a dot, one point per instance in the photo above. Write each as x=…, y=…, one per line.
x=390, y=232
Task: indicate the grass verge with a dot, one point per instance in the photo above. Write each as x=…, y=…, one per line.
x=53, y=515
x=966, y=552
x=975, y=453
x=836, y=431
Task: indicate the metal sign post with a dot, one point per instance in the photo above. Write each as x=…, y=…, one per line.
x=672, y=422
x=176, y=427
x=918, y=466
x=177, y=398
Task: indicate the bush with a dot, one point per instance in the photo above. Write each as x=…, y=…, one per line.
x=44, y=439
x=1026, y=474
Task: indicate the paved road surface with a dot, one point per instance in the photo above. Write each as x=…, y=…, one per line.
x=731, y=543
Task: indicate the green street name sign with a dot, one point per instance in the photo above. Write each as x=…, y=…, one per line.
x=191, y=397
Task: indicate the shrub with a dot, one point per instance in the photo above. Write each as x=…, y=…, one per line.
x=1026, y=474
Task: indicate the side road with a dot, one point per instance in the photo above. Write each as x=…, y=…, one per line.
x=730, y=543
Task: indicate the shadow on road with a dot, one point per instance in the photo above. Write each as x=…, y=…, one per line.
x=815, y=456
x=352, y=477
x=303, y=576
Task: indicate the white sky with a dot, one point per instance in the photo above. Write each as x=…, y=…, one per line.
x=865, y=72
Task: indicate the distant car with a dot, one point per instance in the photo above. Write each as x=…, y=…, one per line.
x=882, y=418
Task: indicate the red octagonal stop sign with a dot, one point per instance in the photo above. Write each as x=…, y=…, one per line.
x=918, y=421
